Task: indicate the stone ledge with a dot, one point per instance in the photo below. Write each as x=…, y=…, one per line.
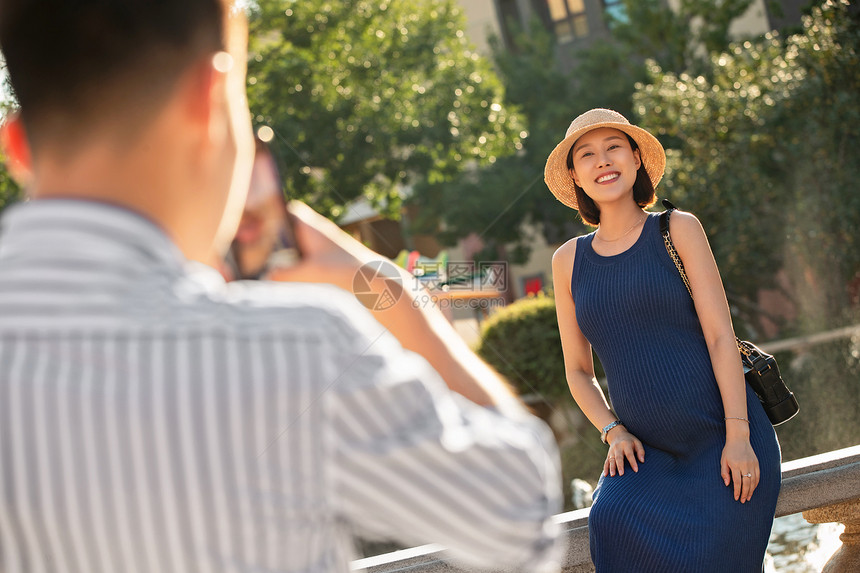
x=808, y=483
x=820, y=462
x=816, y=481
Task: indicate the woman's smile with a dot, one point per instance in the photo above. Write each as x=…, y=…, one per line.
x=608, y=177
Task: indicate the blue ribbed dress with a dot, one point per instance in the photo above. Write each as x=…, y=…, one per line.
x=675, y=514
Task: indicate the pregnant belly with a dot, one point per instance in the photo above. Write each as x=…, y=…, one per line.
x=677, y=415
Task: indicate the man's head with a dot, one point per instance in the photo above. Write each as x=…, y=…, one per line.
x=116, y=83
x=74, y=64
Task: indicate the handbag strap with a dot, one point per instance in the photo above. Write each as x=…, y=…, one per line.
x=670, y=248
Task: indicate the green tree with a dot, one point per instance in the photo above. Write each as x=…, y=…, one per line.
x=367, y=98
x=818, y=137
x=496, y=201
x=725, y=167
x=681, y=37
x=764, y=159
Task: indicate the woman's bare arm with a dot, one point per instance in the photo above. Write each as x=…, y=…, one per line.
x=579, y=369
x=714, y=315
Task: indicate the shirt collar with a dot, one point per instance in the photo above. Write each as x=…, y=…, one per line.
x=85, y=229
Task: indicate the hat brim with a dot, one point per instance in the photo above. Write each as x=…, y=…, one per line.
x=560, y=181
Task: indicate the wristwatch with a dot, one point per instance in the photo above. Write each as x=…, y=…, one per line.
x=608, y=427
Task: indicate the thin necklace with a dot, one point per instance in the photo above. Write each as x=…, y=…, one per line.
x=627, y=232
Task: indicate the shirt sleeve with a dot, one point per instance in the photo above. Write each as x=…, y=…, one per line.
x=417, y=463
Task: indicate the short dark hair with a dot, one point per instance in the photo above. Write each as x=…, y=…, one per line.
x=70, y=62
x=643, y=190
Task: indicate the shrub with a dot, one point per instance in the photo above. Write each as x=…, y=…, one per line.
x=522, y=342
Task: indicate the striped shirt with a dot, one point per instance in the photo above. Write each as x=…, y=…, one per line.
x=154, y=418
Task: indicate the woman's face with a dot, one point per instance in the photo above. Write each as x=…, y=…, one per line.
x=605, y=165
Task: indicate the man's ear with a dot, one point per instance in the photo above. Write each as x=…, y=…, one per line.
x=204, y=97
x=199, y=91
x=16, y=147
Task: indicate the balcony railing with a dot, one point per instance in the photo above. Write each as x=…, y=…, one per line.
x=826, y=488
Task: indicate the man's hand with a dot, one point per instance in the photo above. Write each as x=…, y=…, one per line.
x=328, y=254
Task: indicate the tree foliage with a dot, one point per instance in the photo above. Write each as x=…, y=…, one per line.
x=9, y=190
x=495, y=201
x=679, y=37
x=368, y=97
x=766, y=159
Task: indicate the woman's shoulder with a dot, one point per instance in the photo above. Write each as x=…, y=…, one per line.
x=565, y=248
x=688, y=235
x=685, y=225
x=563, y=258
x=566, y=252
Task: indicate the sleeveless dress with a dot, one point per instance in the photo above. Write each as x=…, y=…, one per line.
x=675, y=514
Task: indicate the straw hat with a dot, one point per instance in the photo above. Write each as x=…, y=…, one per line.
x=556, y=174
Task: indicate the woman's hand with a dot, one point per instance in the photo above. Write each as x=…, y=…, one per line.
x=622, y=445
x=739, y=465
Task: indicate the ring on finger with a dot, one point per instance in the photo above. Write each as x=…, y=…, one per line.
x=746, y=476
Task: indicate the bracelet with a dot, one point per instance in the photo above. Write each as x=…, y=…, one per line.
x=734, y=418
x=607, y=428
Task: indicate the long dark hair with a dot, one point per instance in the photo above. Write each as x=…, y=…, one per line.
x=643, y=190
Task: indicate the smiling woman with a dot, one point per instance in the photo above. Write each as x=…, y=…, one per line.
x=680, y=407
